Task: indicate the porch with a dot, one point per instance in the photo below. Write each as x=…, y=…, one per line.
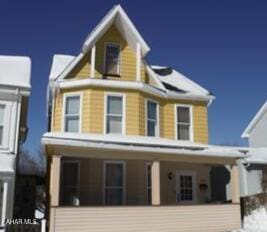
x=143, y=186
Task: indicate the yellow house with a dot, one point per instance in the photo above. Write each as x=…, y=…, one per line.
x=127, y=146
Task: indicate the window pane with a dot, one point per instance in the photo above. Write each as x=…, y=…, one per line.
x=186, y=188
x=114, y=196
x=183, y=132
x=73, y=105
x=70, y=174
x=151, y=128
x=2, y=112
x=114, y=175
x=114, y=124
x=183, y=114
x=1, y=136
x=72, y=124
x=152, y=110
x=114, y=105
x=112, y=59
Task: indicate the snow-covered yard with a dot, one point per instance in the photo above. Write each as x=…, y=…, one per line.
x=255, y=222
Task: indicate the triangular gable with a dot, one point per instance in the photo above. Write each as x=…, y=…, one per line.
x=127, y=29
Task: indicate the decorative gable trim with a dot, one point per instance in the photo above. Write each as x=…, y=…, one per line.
x=254, y=121
x=118, y=16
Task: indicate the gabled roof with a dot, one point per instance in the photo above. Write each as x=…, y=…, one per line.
x=176, y=82
x=118, y=17
x=15, y=71
x=254, y=121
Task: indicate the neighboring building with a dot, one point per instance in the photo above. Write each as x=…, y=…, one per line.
x=15, y=73
x=126, y=134
x=254, y=168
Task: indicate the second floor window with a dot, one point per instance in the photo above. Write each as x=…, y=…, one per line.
x=2, y=116
x=183, y=123
x=112, y=59
x=114, y=114
x=72, y=114
x=152, y=118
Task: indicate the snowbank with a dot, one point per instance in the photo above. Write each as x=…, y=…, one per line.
x=256, y=222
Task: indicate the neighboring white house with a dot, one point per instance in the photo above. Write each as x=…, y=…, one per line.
x=15, y=74
x=252, y=168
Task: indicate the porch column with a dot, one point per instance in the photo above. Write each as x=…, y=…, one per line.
x=235, y=184
x=55, y=180
x=155, y=182
x=92, y=71
x=4, y=202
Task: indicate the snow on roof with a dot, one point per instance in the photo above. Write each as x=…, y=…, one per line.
x=15, y=71
x=177, y=80
x=60, y=62
x=142, y=143
x=118, y=16
x=257, y=156
x=254, y=121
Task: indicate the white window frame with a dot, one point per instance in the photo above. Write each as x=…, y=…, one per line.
x=146, y=181
x=194, y=185
x=157, y=132
x=7, y=127
x=123, y=163
x=115, y=94
x=78, y=176
x=112, y=44
x=191, y=126
x=65, y=96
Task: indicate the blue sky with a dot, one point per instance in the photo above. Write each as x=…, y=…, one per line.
x=220, y=44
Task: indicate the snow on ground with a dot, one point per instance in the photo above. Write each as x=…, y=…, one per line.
x=255, y=222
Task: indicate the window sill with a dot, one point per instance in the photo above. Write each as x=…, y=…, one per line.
x=111, y=75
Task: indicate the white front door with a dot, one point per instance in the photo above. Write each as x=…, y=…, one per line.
x=186, y=187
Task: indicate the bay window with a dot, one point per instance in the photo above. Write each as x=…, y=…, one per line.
x=72, y=113
x=152, y=126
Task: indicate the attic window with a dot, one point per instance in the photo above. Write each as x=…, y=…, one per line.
x=112, y=59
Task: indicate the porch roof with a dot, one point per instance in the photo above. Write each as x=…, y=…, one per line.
x=141, y=144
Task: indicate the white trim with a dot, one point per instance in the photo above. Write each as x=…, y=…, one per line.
x=254, y=121
x=78, y=176
x=115, y=94
x=151, y=145
x=138, y=62
x=194, y=185
x=106, y=22
x=191, y=127
x=140, y=86
x=4, y=202
x=92, y=71
x=66, y=95
x=123, y=182
x=112, y=44
x=157, y=132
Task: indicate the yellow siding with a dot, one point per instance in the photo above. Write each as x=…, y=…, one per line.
x=208, y=218
x=93, y=114
x=127, y=59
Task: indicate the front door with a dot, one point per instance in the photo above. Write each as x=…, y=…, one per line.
x=186, y=187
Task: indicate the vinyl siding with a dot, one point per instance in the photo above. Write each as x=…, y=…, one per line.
x=127, y=59
x=208, y=218
x=93, y=114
